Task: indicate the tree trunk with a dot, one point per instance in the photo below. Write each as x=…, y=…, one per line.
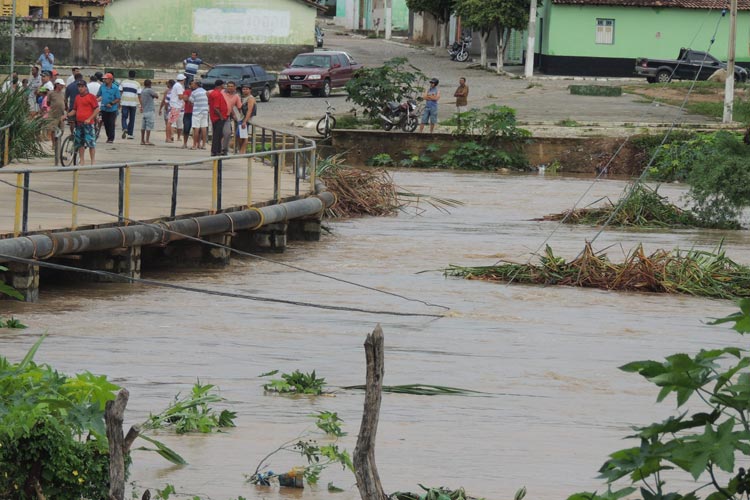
x=483, y=37
x=113, y=417
x=365, y=470
x=500, y=48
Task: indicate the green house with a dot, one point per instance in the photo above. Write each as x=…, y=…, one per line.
x=604, y=37
x=164, y=32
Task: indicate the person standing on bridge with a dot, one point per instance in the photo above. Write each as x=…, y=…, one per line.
x=109, y=95
x=130, y=90
x=85, y=109
x=219, y=112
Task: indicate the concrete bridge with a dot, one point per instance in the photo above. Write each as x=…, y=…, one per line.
x=157, y=209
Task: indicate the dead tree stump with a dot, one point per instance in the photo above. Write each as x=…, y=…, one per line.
x=119, y=445
x=365, y=470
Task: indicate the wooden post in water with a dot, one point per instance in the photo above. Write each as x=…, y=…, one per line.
x=365, y=470
x=119, y=446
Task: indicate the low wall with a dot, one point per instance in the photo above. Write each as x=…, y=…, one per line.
x=576, y=155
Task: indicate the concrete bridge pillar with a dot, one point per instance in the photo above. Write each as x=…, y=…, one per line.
x=270, y=238
x=122, y=261
x=24, y=278
x=304, y=229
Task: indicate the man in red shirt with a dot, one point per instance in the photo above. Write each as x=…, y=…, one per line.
x=218, y=112
x=85, y=110
x=187, y=117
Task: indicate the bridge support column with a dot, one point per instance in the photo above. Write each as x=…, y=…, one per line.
x=270, y=238
x=215, y=256
x=304, y=229
x=24, y=278
x=123, y=261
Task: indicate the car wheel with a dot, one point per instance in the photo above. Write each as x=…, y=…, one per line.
x=285, y=92
x=326, y=90
x=664, y=76
x=265, y=94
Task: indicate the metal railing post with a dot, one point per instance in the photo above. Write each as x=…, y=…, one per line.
x=126, y=195
x=120, y=194
x=19, y=205
x=313, y=169
x=219, y=183
x=175, y=180
x=296, y=167
x=214, y=185
x=250, y=181
x=6, y=146
x=276, y=180
x=74, y=197
x=25, y=221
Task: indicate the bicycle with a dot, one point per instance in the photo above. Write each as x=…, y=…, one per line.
x=327, y=123
x=68, y=151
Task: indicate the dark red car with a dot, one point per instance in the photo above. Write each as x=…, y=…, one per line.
x=317, y=73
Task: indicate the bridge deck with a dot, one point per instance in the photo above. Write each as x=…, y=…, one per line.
x=150, y=188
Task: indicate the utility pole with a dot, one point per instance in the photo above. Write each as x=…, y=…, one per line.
x=12, y=36
x=388, y=18
x=729, y=86
x=530, y=42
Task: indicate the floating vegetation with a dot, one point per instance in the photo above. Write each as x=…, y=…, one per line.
x=643, y=207
x=295, y=383
x=370, y=191
x=192, y=413
x=420, y=390
x=693, y=272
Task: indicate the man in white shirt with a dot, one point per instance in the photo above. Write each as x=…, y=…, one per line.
x=95, y=83
x=130, y=90
x=72, y=77
x=176, y=105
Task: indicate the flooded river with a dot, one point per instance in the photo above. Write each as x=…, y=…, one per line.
x=547, y=357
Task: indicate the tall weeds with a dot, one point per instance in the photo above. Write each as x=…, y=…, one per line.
x=26, y=133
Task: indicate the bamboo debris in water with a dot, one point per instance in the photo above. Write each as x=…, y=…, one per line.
x=361, y=192
x=643, y=207
x=694, y=272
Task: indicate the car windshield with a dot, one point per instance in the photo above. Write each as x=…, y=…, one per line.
x=311, y=61
x=225, y=73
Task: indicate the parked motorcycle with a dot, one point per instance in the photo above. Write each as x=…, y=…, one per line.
x=460, y=50
x=400, y=115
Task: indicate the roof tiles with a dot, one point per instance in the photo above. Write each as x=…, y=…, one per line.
x=679, y=4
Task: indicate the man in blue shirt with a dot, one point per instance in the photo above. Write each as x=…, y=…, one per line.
x=47, y=60
x=192, y=65
x=109, y=99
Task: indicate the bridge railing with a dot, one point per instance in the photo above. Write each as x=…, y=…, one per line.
x=280, y=150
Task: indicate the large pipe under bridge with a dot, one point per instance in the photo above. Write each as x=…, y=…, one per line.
x=187, y=214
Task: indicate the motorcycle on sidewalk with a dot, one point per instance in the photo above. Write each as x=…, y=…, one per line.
x=400, y=115
x=460, y=50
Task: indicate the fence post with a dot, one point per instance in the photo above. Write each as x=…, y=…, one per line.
x=215, y=186
x=19, y=205
x=175, y=180
x=313, y=169
x=126, y=209
x=296, y=167
x=6, y=146
x=25, y=222
x=74, y=207
x=120, y=194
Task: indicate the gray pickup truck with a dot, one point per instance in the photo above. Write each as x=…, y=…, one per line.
x=687, y=65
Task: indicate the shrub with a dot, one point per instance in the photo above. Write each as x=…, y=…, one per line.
x=595, y=90
x=371, y=88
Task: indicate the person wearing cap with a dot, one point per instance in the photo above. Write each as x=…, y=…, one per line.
x=47, y=81
x=199, y=98
x=109, y=101
x=41, y=100
x=46, y=60
x=431, y=97
x=56, y=104
x=71, y=92
x=218, y=113
x=176, y=105
x=85, y=110
x=130, y=90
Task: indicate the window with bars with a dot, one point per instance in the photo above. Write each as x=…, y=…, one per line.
x=605, y=31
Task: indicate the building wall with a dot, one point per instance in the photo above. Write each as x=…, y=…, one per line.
x=658, y=33
x=281, y=22
x=24, y=7
x=76, y=10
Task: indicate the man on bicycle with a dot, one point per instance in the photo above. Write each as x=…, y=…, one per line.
x=85, y=110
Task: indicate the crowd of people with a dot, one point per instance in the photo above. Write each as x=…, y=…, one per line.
x=187, y=108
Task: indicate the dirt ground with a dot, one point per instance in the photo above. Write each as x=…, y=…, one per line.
x=677, y=94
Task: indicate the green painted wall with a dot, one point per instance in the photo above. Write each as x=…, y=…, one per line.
x=400, y=13
x=281, y=22
x=658, y=33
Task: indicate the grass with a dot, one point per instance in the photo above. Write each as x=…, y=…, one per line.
x=715, y=109
x=694, y=272
x=567, y=122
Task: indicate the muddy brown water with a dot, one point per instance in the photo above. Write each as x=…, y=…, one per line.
x=547, y=357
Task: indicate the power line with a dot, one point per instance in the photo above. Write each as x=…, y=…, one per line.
x=225, y=247
x=206, y=291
